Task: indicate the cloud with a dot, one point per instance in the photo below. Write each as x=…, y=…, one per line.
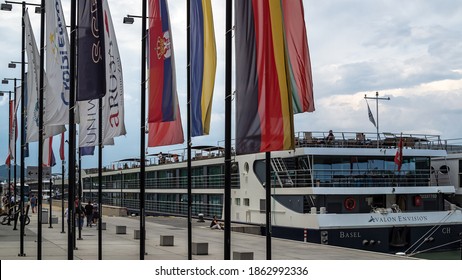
x=409, y=51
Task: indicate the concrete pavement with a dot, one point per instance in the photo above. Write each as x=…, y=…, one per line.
x=126, y=247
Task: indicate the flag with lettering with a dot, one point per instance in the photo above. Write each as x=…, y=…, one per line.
x=57, y=65
x=32, y=111
x=113, y=101
x=162, y=80
x=203, y=65
x=91, y=74
x=264, y=101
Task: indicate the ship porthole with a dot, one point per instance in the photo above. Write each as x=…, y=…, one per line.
x=349, y=203
x=246, y=168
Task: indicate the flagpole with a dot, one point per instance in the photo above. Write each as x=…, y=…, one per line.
x=143, y=130
x=188, y=106
x=15, y=123
x=228, y=95
x=71, y=158
x=41, y=132
x=23, y=131
x=268, y=205
x=377, y=98
x=100, y=177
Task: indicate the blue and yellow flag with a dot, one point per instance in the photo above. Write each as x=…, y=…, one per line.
x=203, y=65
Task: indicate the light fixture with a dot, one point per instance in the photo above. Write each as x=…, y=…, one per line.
x=6, y=7
x=38, y=10
x=129, y=20
x=1, y=93
x=5, y=81
x=11, y=65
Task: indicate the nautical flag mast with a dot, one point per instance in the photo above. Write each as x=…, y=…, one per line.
x=377, y=98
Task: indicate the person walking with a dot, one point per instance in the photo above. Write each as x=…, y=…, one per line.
x=89, y=213
x=33, y=203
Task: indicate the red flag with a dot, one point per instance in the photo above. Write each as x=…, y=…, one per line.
x=11, y=139
x=161, y=64
x=399, y=154
x=61, y=147
x=166, y=133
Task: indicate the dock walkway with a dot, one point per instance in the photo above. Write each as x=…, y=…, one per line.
x=126, y=247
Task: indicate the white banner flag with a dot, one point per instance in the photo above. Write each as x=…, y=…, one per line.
x=57, y=65
x=32, y=111
x=88, y=127
x=113, y=101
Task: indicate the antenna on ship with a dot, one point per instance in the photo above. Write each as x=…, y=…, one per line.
x=376, y=98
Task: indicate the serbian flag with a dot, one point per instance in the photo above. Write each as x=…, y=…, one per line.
x=264, y=112
x=399, y=154
x=203, y=65
x=166, y=133
x=91, y=63
x=162, y=80
x=301, y=81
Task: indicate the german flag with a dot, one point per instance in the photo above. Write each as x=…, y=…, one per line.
x=266, y=82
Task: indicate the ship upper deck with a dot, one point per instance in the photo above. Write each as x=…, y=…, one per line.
x=306, y=139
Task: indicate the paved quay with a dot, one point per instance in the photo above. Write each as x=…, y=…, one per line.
x=126, y=247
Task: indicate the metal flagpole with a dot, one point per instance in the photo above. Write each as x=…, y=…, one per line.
x=41, y=133
x=100, y=177
x=268, y=205
x=71, y=158
x=143, y=131
x=23, y=131
x=377, y=98
x=188, y=106
x=228, y=95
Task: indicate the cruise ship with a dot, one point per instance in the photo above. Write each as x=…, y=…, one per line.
x=345, y=191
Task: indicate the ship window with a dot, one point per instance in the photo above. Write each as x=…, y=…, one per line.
x=246, y=202
x=246, y=168
x=237, y=201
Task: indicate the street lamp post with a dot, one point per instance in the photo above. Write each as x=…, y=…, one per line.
x=7, y=6
x=129, y=19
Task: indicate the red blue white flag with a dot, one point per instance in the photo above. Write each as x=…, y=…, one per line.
x=161, y=63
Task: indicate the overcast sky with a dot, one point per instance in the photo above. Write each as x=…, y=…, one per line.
x=410, y=51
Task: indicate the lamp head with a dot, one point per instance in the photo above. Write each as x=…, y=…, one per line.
x=6, y=7
x=129, y=20
x=11, y=65
x=4, y=81
x=38, y=10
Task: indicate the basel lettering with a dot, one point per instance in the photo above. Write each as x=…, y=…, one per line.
x=354, y=234
x=398, y=219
